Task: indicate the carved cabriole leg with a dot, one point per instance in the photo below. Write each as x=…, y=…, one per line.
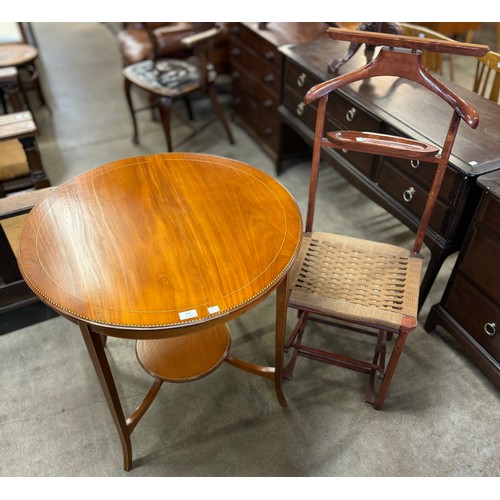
x=165, y=106
x=127, y=85
x=97, y=354
x=37, y=172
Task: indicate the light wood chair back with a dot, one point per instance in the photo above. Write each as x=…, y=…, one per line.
x=431, y=60
x=487, y=78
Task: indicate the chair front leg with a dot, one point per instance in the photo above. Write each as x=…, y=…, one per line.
x=128, y=95
x=165, y=107
x=391, y=368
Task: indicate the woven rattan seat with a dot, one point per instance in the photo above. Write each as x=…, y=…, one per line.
x=363, y=286
x=357, y=280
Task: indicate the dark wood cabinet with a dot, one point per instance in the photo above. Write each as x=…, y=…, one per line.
x=470, y=307
x=256, y=68
x=383, y=105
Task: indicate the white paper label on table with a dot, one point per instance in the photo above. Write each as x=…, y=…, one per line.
x=188, y=314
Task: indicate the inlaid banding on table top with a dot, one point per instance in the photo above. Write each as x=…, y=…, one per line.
x=206, y=232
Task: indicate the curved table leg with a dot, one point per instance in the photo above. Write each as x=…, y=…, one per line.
x=101, y=366
x=281, y=313
x=272, y=373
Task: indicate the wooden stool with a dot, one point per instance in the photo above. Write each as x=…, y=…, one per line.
x=22, y=56
x=185, y=358
x=10, y=88
x=20, y=160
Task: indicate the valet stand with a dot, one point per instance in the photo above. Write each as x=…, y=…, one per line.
x=358, y=285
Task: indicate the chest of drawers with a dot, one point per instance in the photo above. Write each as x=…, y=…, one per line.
x=256, y=68
x=381, y=105
x=470, y=307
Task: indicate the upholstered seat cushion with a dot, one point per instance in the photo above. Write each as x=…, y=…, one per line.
x=357, y=280
x=169, y=77
x=13, y=163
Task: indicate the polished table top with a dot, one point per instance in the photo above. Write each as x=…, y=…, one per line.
x=151, y=243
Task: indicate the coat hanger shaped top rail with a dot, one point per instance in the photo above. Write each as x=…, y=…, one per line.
x=408, y=42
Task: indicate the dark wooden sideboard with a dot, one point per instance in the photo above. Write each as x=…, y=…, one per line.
x=470, y=307
x=256, y=68
x=400, y=186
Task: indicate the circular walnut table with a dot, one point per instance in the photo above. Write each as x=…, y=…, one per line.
x=165, y=249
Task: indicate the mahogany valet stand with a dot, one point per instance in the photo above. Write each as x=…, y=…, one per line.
x=370, y=287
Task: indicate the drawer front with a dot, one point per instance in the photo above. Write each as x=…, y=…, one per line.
x=262, y=97
x=340, y=110
x=410, y=195
x=297, y=80
x=480, y=262
x=307, y=115
x=293, y=101
x=258, y=114
x=262, y=48
x=349, y=116
x=489, y=214
x=478, y=315
x=244, y=60
x=424, y=172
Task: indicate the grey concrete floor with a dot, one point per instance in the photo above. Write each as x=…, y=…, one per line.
x=441, y=417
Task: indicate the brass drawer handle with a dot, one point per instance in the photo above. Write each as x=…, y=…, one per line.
x=300, y=108
x=301, y=80
x=415, y=163
x=408, y=194
x=490, y=329
x=351, y=113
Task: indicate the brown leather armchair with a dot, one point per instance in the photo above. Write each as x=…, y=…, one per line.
x=135, y=42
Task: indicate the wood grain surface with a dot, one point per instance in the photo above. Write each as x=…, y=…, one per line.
x=160, y=240
x=15, y=54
